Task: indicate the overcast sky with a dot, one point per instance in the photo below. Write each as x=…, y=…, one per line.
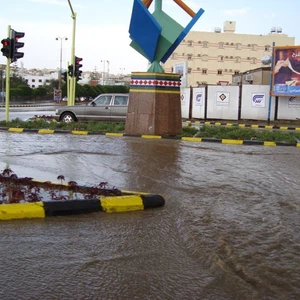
x=102, y=27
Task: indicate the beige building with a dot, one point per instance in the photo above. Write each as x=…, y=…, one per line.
x=212, y=57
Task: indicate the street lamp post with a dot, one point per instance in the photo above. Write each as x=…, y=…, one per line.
x=60, y=60
x=103, y=76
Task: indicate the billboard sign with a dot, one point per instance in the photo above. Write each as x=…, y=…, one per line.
x=286, y=70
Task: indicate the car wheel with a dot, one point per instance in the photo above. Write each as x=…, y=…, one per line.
x=68, y=117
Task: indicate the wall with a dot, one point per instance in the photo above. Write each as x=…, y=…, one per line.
x=250, y=102
x=288, y=108
x=255, y=102
x=222, y=102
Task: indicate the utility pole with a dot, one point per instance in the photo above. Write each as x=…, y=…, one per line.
x=60, y=60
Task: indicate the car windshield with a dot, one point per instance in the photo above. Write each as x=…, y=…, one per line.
x=103, y=100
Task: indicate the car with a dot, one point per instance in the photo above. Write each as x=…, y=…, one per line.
x=105, y=107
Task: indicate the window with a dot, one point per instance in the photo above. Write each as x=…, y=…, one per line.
x=205, y=44
x=199, y=55
x=190, y=43
x=189, y=70
x=220, y=58
x=198, y=69
x=47, y=80
x=33, y=86
x=102, y=100
x=32, y=80
x=204, y=71
x=174, y=55
x=183, y=54
x=205, y=57
x=121, y=100
x=253, y=60
x=267, y=48
x=237, y=59
x=236, y=72
x=189, y=56
x=221, y=45
x=40, y=80
x=220, y=72
x=238, y=46
x=253, y=47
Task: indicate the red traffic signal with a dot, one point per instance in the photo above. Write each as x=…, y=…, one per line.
x=15, y=45
x=6, y=49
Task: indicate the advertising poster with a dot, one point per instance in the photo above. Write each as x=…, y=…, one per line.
x=181, y=69
x=199, y=99
x=258, y=100
x=286, y=68
x=223, y=99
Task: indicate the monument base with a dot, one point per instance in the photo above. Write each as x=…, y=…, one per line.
x=154, y=104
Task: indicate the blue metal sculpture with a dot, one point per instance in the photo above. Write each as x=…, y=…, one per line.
x=157, y=35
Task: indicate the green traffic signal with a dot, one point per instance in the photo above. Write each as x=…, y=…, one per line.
x=71, y=70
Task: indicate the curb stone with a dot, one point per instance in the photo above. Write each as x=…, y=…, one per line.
x=187, y=139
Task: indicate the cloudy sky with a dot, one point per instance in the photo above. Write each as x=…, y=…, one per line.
x=102, y=27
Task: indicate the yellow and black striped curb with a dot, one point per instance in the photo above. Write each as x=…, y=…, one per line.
x=254, y=126
x=112, y=204
x=188, y=139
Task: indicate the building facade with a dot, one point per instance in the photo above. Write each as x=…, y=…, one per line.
x=259, y=76
x=213, y=57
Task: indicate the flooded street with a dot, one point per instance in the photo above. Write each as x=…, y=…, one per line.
x=230, y=228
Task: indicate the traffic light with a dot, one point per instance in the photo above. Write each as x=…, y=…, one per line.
x=64, y=76
x=70, y=70
x=78, y=65
x=6, y=49
x=15, y=45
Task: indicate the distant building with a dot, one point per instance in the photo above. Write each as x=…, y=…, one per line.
x=216, y=56
x=259, y=76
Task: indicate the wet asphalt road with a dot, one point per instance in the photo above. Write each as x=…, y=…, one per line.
x=230, y=228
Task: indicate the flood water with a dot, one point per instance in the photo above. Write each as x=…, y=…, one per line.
x=230, y=228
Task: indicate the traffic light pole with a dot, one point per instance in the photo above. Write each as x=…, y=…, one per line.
x=7, y=82
x=71, y=100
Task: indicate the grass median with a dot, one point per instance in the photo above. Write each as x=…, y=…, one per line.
x=206, y=131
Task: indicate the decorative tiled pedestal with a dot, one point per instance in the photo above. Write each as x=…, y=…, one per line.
x=154, y=104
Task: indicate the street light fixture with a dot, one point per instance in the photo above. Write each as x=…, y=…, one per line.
x=60, y=65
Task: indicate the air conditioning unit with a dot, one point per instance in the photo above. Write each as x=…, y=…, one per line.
x=237, y=79
x=248, y=77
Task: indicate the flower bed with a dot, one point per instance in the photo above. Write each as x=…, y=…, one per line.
x=27, y=190
x=25, y=198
